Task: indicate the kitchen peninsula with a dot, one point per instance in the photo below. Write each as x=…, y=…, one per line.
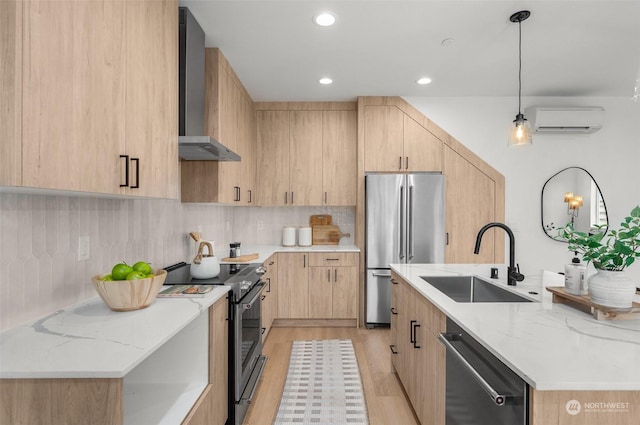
x=563, y=354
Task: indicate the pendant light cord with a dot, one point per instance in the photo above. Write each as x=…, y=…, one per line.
x=519, y=65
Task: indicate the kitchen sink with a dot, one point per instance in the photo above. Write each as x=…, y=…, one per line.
x=472, y=289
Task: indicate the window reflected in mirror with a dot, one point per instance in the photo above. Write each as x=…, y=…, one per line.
x=573, y=196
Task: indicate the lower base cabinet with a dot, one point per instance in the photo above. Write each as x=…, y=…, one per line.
x=269, y=307
x=317, y=285
x=417, y=355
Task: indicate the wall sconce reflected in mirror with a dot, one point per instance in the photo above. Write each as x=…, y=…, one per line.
x=574, y=202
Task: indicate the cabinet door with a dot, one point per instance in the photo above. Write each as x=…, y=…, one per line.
x=470, y=204
x=227, y=125
x=11, y=93
x=422, y=150
x=383, y=128
x=339, y=144
x=305, y=157
x=345, y=292
x=73, y=95
x=321, y=286
x=151, y=102
x=293, y=286
x=247, y=133
x=273, y=157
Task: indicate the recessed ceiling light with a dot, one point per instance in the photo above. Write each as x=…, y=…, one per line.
x=325, y=80
x=423, y=81
x=324, y=19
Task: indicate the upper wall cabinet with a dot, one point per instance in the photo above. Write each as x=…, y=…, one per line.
x=306, y=155
x=230, y=119
x=92, y=96
x=395, y=142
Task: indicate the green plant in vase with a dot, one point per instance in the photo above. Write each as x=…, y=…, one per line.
x=610, y=254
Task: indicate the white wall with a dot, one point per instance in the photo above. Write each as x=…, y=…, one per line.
x=611, y=155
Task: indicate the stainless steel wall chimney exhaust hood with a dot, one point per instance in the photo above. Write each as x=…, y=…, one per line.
x=193, y=144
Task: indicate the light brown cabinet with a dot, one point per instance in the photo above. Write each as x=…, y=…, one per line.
x=290, y=157
x=339, y=182
x=293, y=285
x=230, y=119
x=470, y=204
x=92, y=95
x=395, y=142
x=333, y=285
x=417, y=355
x=269, y=307
x=306, y=156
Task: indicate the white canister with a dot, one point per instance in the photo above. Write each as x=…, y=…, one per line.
x=288, y=236
x=575, y=279
x=304, y=236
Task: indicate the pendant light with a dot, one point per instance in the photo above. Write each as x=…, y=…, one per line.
x=520, y=133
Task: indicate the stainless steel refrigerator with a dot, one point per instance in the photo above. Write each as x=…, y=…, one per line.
x=404, y=224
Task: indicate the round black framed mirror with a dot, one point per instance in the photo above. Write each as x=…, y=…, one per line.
x=572, y=195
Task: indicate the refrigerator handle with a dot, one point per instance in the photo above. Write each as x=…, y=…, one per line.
x=410, y=223
x=402, y=223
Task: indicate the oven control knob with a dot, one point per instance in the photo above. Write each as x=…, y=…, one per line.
x=261, y=270
x=245, y=285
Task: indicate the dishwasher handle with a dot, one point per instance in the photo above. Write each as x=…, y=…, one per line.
x=498, y=399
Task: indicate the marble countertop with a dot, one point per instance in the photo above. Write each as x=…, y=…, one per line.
x=266, y=251
x=88, y=340
x=551, y=346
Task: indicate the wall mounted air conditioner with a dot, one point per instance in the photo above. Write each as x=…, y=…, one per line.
x=565, y=120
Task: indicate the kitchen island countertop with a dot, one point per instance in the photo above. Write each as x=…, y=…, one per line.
x=551, y=346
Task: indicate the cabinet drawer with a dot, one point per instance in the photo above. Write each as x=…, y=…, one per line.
x=271, y=264
x=334, y=259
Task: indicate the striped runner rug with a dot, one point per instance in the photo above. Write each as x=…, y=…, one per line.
x=323, y=385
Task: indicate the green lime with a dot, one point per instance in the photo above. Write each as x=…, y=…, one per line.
x=120, y=271
x=107, y=277
x=142, y=267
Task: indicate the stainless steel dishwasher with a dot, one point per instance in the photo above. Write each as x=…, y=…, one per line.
x=481, y=390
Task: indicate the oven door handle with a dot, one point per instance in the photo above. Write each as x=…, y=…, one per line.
x=498, y=399
x=247, y=306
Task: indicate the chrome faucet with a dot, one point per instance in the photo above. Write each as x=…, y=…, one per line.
x=513, y=272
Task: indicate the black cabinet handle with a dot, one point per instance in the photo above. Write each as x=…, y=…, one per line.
x=263, y=297
x=412, y=338
x=137, y=161
x=392, y=348
x=393, y=311
x=249, y=195
x=304, y=261
x=328, y=275
x=268, y=284
x=394, y=282
x=286, y=197
x=291, y=198
x=415, y=335
x=126, y=171
x=263, y=330
x=335, y=275
x=406, y=159
x=399, y=163
x=325, y=198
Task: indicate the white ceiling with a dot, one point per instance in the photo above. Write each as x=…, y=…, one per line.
x=569, y=47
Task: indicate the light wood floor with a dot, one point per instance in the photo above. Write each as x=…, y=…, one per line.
x=386, y=400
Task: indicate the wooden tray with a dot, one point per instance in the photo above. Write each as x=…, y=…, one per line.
x=583, y=303
x=320, y=219
x=241, y=259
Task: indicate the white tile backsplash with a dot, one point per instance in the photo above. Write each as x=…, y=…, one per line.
x=39, y=269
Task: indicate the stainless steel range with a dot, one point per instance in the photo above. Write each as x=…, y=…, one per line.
x=246, y=361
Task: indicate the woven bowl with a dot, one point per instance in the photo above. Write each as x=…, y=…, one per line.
x=128, y=295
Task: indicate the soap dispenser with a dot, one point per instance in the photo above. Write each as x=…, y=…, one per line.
x=575, y=281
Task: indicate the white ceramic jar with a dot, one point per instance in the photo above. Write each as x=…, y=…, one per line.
x=288, y=236
x=304, y=236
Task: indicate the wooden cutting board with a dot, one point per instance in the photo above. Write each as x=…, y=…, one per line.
x=320, y=220
x=241, y=259
x=327, y=235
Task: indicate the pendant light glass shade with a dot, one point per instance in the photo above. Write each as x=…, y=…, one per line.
x=520, y=133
